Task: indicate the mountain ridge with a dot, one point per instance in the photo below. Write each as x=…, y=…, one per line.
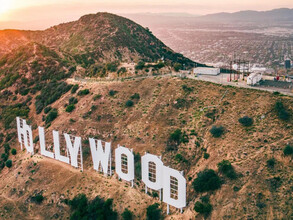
x=101, y=37
x=276, y=15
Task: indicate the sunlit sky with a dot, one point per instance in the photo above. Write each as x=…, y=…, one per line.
x=36, y=14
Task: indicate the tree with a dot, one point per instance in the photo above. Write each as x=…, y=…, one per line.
x=153, y=212
x=140, y=65
x=207, y=180
x=282, y=113
x=129, y=103
x=83, y=92
x=227, y=169
x=13, y=151
x=127, y=215
x=246, y=121
x=8, y=163
x=51, y=116
x=203, y=208
x=74, y=88
x=217, y=131
x=288, y=150
x=70, y=108
x=175, y=139
x=177, y=67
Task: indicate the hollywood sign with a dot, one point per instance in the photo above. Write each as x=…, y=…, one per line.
x=169, y=182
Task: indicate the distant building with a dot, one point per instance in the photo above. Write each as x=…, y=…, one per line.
x=206, y=71
x=254, y=79
x=287, y=64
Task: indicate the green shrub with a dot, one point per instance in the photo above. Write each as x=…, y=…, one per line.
x=51, y=116
x=217, y=131
x=206, y=180
x=227, y=169
x=47, y=109
x=282, y=112
x=127, y=215
x=271, y=163
x=98, y=96
x=8, y=163
x=246, y=121
x=181, y=103
x=140, y=65
x=206, y=155
x=180, y=158
x=4, y=157
x=177, y=67
x=203, y=208
x=121, y=70
x=6, y=147
x=129, y=103
x=74, y=88
x=36, y=139
x=112, y=67
x=72, y=100
x=175, y=139
x=153, y=212
x=187, y=89
x=13, y=151
x=288, y=150
x=112, y=92
x=38, y=198
x=83, y=92
x=135, y=96
x=70, y=108
x=81, y=208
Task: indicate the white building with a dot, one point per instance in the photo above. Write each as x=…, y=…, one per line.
x=254, y=78
x=206, y=71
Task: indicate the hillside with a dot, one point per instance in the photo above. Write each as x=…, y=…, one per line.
x=163, y=115
x=96, y=38
x=146, y=127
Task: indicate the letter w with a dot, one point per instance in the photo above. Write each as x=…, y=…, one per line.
x=99, y=155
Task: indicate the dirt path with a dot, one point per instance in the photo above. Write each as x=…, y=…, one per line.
x=214, y=79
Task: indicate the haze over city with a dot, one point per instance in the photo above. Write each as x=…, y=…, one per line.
x=34, y=14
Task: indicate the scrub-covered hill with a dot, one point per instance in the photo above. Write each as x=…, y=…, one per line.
x=194, y=125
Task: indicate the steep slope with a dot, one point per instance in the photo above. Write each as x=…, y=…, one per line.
x=100, y=37
x=259, y=191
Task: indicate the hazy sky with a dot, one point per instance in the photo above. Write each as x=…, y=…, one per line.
x=36, y=14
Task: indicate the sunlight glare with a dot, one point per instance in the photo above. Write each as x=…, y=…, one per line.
x=5, y=5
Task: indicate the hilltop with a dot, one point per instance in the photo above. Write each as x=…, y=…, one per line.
x=96, y=38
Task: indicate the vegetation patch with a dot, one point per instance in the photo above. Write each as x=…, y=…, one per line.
x=97, y=208
x=282, y=112
x=83, y=92
x=53, y=114
x=217, y=131
x=227, y=169
x=204, y=207
x=154, y=212
x=246, y=121
x=175, y=139
x=288, y=150
x=207, y=180
x=9, y=113
x=50, y=93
